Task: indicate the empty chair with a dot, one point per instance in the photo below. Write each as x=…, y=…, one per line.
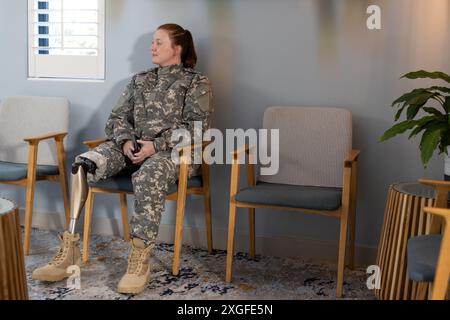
x=317, y=174
x=32, y=131
x=428, y=256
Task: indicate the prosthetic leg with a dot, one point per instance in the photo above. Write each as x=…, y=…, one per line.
x=69, y=253
x=79, y=189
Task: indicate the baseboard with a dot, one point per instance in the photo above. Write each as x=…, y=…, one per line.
x=309, y=249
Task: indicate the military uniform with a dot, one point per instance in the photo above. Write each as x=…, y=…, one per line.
x=154, y=104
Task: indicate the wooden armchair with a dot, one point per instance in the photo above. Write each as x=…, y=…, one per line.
x=198, y=185
x=429, y=255
x=34, y=120
x=317, y=175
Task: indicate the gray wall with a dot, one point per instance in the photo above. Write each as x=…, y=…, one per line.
x=259, y=53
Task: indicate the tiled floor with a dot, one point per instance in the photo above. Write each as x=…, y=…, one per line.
x=201, y=276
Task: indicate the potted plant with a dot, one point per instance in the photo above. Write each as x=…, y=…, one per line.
x=433, y=122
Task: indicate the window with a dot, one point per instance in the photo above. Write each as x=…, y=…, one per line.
x=66, y=39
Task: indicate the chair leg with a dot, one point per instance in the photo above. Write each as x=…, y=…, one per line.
x=341, y=258
x=251, y=223
x=124, y=210
x=65, y=194
x=351, y=240
x=230, y=245
x=87, y=225
x=61, y=155
x=29, y=204
x=181, y=206
x=178, y=239
x=29, y=199
x=352, y=218
x=208, y=221
x=234, y=184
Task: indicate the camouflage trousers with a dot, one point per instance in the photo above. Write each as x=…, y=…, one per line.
x=151, y=181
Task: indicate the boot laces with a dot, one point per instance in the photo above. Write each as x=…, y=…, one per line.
x=61, y=255
x=135, y=260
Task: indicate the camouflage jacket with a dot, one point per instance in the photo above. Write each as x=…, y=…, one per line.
x=158, y=101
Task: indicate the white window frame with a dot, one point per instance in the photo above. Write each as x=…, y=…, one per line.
x=66, y=66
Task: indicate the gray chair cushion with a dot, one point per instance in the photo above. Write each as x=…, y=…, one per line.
x=423, y=252
x=122, y=182
x=319, y=198
x=17, y=171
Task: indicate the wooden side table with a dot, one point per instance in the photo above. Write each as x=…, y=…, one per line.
x=13, y=281
x=404, y=218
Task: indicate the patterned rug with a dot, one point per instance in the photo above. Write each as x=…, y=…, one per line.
x=201, y=275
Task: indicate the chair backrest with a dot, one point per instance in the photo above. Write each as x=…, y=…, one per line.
x=314, y=142
x=22, y=117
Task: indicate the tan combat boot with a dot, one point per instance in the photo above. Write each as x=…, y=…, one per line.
x=68, y=254
x=138, y=272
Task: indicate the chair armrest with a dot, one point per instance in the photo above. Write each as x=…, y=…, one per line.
x=351, y=157
x=435, y=183
x=442, y=212
x=55, y=135
x=245, y=148
x=93, y=143
x=187, y=148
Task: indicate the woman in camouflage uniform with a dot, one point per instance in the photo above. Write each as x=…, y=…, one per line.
x=154, y=104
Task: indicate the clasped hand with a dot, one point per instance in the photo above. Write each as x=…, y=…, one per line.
x=147, y=150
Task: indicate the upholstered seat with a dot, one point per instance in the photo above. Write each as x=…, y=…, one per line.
x=423, y=253
x=122, y=182
x=293, y=196
x=17, y=171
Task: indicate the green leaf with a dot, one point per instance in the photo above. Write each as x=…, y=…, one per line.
x=399, y=112
x=426, y=74
x=434, y=111
x=422, y=99
x=410, y=95
x=423, y=124
x=397, y=129
x=415, y=100
x=442, y=89
x=429, y=142
x=425, y=120
x=416, y=103
x=412, y=111
x=416, y=131
x=445, y=140
x=446, y=104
